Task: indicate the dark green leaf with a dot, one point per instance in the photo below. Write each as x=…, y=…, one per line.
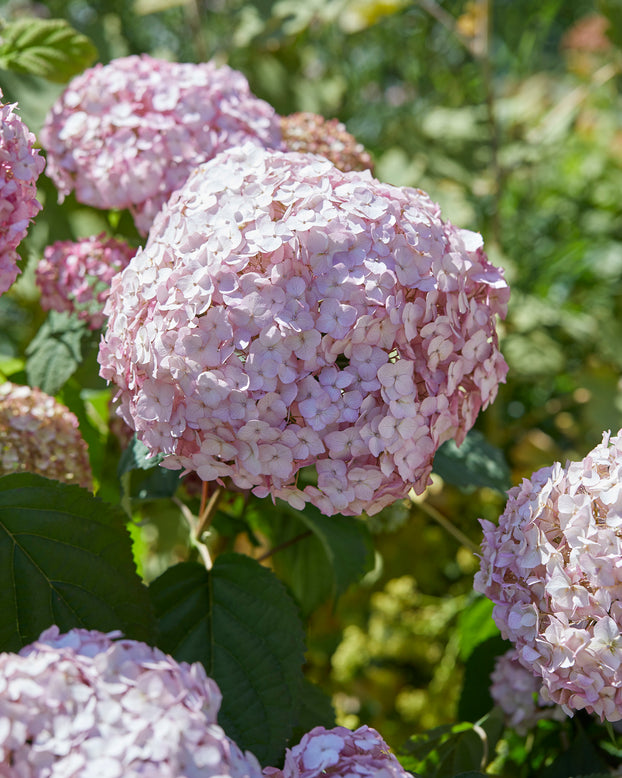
x=475, y=700
x=474, y=464
x=581, y=760
x=322, y=566
x=445, y=751
x=475, y=625
x=55, y=352
x=136, y=457
x=315, y=709
x=50, y=48
x=145, y=480
x=239, y=621
x=65, y=559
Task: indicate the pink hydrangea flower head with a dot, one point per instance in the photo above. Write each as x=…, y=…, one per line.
x=516, y=691
x=286, y=314
x=341, y=753
x=92, y=703
x=76, y=276
x=40, y=435
x=20, y=166
x=553, y=569
x=313, y=134
x=127, y=134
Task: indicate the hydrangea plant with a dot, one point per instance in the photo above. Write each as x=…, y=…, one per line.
x=40, y=435
x=87, y=701
x=127, y=134
x=75, y=276
x=516, y=690
x=341, y=753
x=552, y=568
x=20, y=166
x=285, y=314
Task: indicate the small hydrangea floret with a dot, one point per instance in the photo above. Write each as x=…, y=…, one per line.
x=20, y=166
x=516, y=691
x=76, y=276
x=91, y=703
x=340, y=753
x=285, y=314
x=553, y=569
x=127, y=134
x=40, y=435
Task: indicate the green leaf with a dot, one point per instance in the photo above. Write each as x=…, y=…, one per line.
x=581, y=760
x=475, y=625
x=444, y=751
x=65, y=559
x=136, y=457
x=322, y=566
x=239, y=621
x=475, y=700
x=474, y=464
x=55, y=352
x=49, y=48
x=449, y=751
x=144, y=479
x=612, y=10
x=315, y=709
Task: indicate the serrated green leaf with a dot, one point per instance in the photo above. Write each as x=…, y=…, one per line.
x=65, y=559
x=55, y=352
x=240, y=623
x=474, y=464
x=49, y=48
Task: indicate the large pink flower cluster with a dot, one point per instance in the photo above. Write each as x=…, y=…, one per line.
x=76, y=276
x=516, y=691
x=340, y=753
x=553, y=568
x=85, y=703
x=286, y=314
x=40, y=435
x=20, y=166
x=127, y=134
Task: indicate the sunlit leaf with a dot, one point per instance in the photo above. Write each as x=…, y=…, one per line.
x=50, y=48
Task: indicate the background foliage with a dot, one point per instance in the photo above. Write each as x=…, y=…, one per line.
x=508, y=114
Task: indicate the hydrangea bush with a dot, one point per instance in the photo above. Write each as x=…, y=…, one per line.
x=91, y=702
x=285, y=314
x=292, y=329
x=552, y=568
x=312, y=134
x=75, y=276
x=40, y=435
x=20, y=166
x=516, y=690
x=340, y=752
x=127, y=134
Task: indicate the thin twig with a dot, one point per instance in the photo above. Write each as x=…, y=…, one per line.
x=281, y=546
x=447, y=525
x=207, y=513
x=192, y=523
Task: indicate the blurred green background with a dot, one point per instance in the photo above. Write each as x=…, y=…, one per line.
x=507, y=113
